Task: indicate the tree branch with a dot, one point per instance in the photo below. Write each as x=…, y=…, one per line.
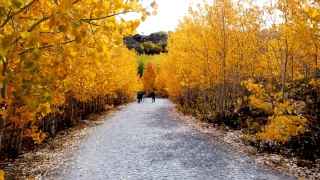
x=45, y=47
x=91, y=23
x=13, y=14
x=92, y=19
x=75, y=1
x=37, y=23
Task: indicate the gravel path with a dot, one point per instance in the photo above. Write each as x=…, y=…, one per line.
x=142, y=141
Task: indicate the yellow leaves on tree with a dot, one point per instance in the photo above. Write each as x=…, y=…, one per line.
x=37, y=135
x=281, y=128
x=149, y=78
x=284, y=123
x=258, y=97
x=1, y=174
x=45, y=109
x=222, y=57
x=109, y=106
x=170, y=71
x=161, y=84
x=48, y=48
x=315, y=83
x=3, y=113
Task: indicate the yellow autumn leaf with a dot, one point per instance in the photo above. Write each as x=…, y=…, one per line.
x=46, y=94
x=78, y=39
x=143, y=18
x=2, y=174
x=17, y=3
x=136, y=23
x=155, y=6
x=129, y=24
x=16, y=59
x=106, y=5
x=63, y=28
x=45, y=109
x=138, y=8
x=154, y=13
x=25, y=34
x=16, y=34
x=134, y=31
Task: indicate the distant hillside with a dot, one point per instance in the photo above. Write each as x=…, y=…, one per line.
x=152, y=44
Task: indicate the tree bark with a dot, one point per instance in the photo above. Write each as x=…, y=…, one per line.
x=3, y=95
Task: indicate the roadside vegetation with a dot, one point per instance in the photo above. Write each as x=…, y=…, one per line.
x=256, y=69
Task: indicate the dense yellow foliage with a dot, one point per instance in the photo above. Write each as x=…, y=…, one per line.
x=226, y=55
x=49, y=48
x=149, y=78
x=281, y=128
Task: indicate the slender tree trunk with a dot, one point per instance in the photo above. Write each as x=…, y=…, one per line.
x=291, y=81
x=11, y=136
x=19, y=140
x=46, y=124
x=234, y=88
x=53, y=124
x=3, y=95
x=204, y=103
x=284, y=71
x=224, y=56
x=210, y=101
x=186, y=104
x=43, y=124
x=83, y=110
x=316, y=64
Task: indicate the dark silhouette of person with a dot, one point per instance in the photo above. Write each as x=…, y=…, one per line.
x=139, y=96
x=153, y=96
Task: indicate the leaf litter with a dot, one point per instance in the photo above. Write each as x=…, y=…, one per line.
x=234, y=138
x=51, y=155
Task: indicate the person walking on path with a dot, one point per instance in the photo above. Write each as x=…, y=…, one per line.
x=139, y=96
x=153, y=96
